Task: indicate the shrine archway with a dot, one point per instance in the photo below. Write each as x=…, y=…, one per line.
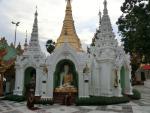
x=28, y=74
x=60, y=68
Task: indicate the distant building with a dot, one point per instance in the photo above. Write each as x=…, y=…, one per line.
x=8, y=54
x=142, y=74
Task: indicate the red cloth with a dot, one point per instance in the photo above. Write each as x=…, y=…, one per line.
x=146, y=67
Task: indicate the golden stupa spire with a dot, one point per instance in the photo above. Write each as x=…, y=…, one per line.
x=68, y=30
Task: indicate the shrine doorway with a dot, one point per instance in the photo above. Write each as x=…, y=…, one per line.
x=29, y=74
x=61, y=90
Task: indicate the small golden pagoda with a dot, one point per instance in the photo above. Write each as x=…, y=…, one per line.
x=68, y=32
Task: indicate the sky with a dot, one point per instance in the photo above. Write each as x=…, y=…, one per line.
x=50, y=18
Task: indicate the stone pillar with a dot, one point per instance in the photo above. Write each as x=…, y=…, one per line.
x=106, y=82
x=128, y=84
x=19, y=81
x=44, y=85
x=37, y=89
x=96, y=81
x=86, y=84
x=81, y=81
x=118, y=90
x=119, y=84
x=50, y=84
x=16, y=80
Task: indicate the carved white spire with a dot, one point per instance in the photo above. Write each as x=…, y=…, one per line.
x=105, y=23
x=104, y=36
x=34, y=41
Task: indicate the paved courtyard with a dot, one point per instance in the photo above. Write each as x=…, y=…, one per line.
x=138, y=106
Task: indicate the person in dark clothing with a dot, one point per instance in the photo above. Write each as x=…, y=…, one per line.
x=67, y=99
x=30, y=101
x=30, y=95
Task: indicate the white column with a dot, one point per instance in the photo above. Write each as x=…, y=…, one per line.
x=50, y=82
x=106, y=73
x=119, y=84
x=81, y=81
x=37, y=89
x=96, y=81
x=128, y=85
x=16, y=81
x=44, y=86
x=118, y=90
x=86, y=84
x=20, y=83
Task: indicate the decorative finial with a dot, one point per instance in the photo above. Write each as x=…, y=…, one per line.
x=105, y=7
x=100, y=17
x=68, y=0
x=36, y=13
x=105, y=4
x=26, y=37
x=68, y=3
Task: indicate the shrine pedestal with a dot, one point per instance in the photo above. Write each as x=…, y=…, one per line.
x=59, y=97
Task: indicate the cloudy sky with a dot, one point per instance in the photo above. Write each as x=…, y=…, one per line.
x=51, y=15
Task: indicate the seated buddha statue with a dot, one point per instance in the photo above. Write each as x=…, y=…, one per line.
x=66, y=80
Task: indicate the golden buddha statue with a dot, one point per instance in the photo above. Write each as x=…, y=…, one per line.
x=66, y=80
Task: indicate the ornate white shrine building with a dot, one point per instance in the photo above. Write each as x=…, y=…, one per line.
x=102, y=71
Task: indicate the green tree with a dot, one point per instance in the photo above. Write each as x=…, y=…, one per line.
x=50, y=46
x=134, y=28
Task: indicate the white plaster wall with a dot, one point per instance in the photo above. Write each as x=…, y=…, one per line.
x=38, y=90
x=105, y=75
x=44, y=85
x=95, y=79
x=50, y=82
x=20, y=81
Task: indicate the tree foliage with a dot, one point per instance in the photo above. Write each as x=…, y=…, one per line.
x=134, y=28
x=50, y=46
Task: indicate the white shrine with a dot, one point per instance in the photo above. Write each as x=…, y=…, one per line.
x=103, y=71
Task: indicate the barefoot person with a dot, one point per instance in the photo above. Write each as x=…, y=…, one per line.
x=30, y=97
x=30, y=101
